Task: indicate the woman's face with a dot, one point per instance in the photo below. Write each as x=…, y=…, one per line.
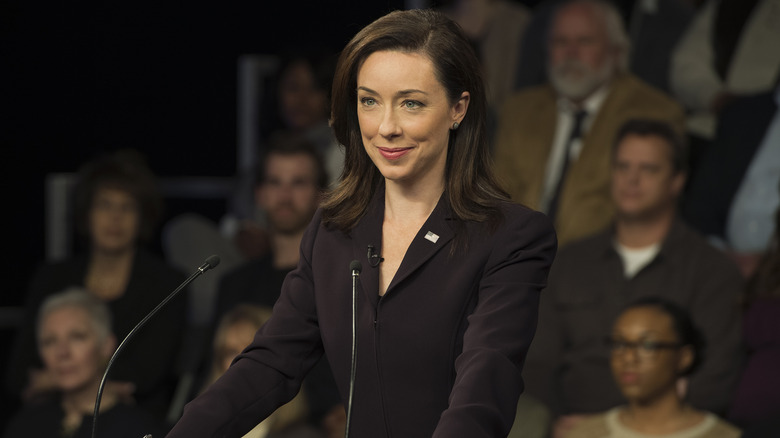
x=71, y=349
x=114, y=220
x=405, y=116
x=302, y=104
x=646, y=359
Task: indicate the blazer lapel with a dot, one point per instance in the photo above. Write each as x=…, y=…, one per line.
x=434, y=235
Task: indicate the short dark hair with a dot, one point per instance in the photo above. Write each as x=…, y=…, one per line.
x=687, y=332
x=125, y=170
x=660, y=129
x=288, y=143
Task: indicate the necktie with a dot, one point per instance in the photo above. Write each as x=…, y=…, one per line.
x=576, y=132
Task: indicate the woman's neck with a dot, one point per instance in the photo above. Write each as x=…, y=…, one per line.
x=109, y=272
x=664, y=414
x=411, y=203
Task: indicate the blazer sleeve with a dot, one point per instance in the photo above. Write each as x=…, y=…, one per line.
x=488, y=383
x=269, y=372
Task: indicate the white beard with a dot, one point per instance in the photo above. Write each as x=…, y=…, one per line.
x=576, y=81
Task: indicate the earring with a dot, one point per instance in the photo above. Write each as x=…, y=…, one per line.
x=455, y=126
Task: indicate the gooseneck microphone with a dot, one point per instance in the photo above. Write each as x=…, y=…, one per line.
x=355, y=267
x=210, y=263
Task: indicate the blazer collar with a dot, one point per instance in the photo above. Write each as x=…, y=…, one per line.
x=434, y=235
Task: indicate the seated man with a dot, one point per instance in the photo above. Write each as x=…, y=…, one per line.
x=648, y=251
x=553, y=140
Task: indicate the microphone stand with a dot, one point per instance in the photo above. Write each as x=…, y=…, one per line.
x=210, y=263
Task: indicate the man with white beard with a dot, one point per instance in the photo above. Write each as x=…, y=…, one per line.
x=553, y=141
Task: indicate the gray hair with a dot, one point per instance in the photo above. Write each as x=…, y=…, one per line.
x=97, y=311
x=613, y=21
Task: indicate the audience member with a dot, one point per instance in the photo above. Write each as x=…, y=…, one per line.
x=647, y=251
x=730, y=197
x=654, y=26
x=728, y=51
x=235, y=330
x=290, y=181
x=756, y=406
x=74, y=339
x=116, y=207
x=300, y=103
x=496, y=29
x=297, y=102
x=552, y=148
x=653, y=344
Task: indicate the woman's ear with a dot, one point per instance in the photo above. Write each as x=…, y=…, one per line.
x=108, y=347
x=461, y=107
x=686, y=359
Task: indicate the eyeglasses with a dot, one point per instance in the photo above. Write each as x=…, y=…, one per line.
x=643, y=349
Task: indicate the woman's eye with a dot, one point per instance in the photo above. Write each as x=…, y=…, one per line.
x=412, y=104
x=367, y=101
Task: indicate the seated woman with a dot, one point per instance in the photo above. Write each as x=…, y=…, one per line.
x=653, y=344
x=117, y=206
x=75, y=342
x=235, y=330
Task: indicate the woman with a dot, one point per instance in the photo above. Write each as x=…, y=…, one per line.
x=451, y=271
x=653, y=344
x=116, y=209
x=75, y=342
x=234, y=332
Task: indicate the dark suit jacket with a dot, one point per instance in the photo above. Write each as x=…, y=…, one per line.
x=440, y=354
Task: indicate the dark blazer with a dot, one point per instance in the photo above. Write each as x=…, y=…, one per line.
x=440, y=354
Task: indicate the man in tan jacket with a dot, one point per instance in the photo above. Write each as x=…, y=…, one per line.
x=553, y=141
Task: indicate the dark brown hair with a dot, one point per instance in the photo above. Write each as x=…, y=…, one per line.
x=472, y=190
x=124, y=170
x=678, y=150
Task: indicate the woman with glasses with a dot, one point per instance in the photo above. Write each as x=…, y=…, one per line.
x=653, y=344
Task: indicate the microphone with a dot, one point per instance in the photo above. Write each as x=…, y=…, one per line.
x=210, y=263
x=355, y=267
x=373, y=258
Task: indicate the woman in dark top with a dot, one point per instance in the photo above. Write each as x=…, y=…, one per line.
x=75, y=341
x=116, y=208
x=446, y=303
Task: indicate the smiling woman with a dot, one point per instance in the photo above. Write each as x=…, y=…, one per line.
x=431, y=340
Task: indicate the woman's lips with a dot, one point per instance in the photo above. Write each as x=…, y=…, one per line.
x=393, y=153
x=629, y=378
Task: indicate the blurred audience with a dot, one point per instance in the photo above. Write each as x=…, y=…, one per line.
x=647, y=251
x=652, y=345
x=553, y=141
x=496, y=29
x=728, y=51
x=654, y=26
x=117, y=206
x=74, y=339
x=756, y=405
x=730, y=197
x=235, y=331
x=300, y=103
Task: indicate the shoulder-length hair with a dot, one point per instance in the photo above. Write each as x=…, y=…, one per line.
x=473, y=192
